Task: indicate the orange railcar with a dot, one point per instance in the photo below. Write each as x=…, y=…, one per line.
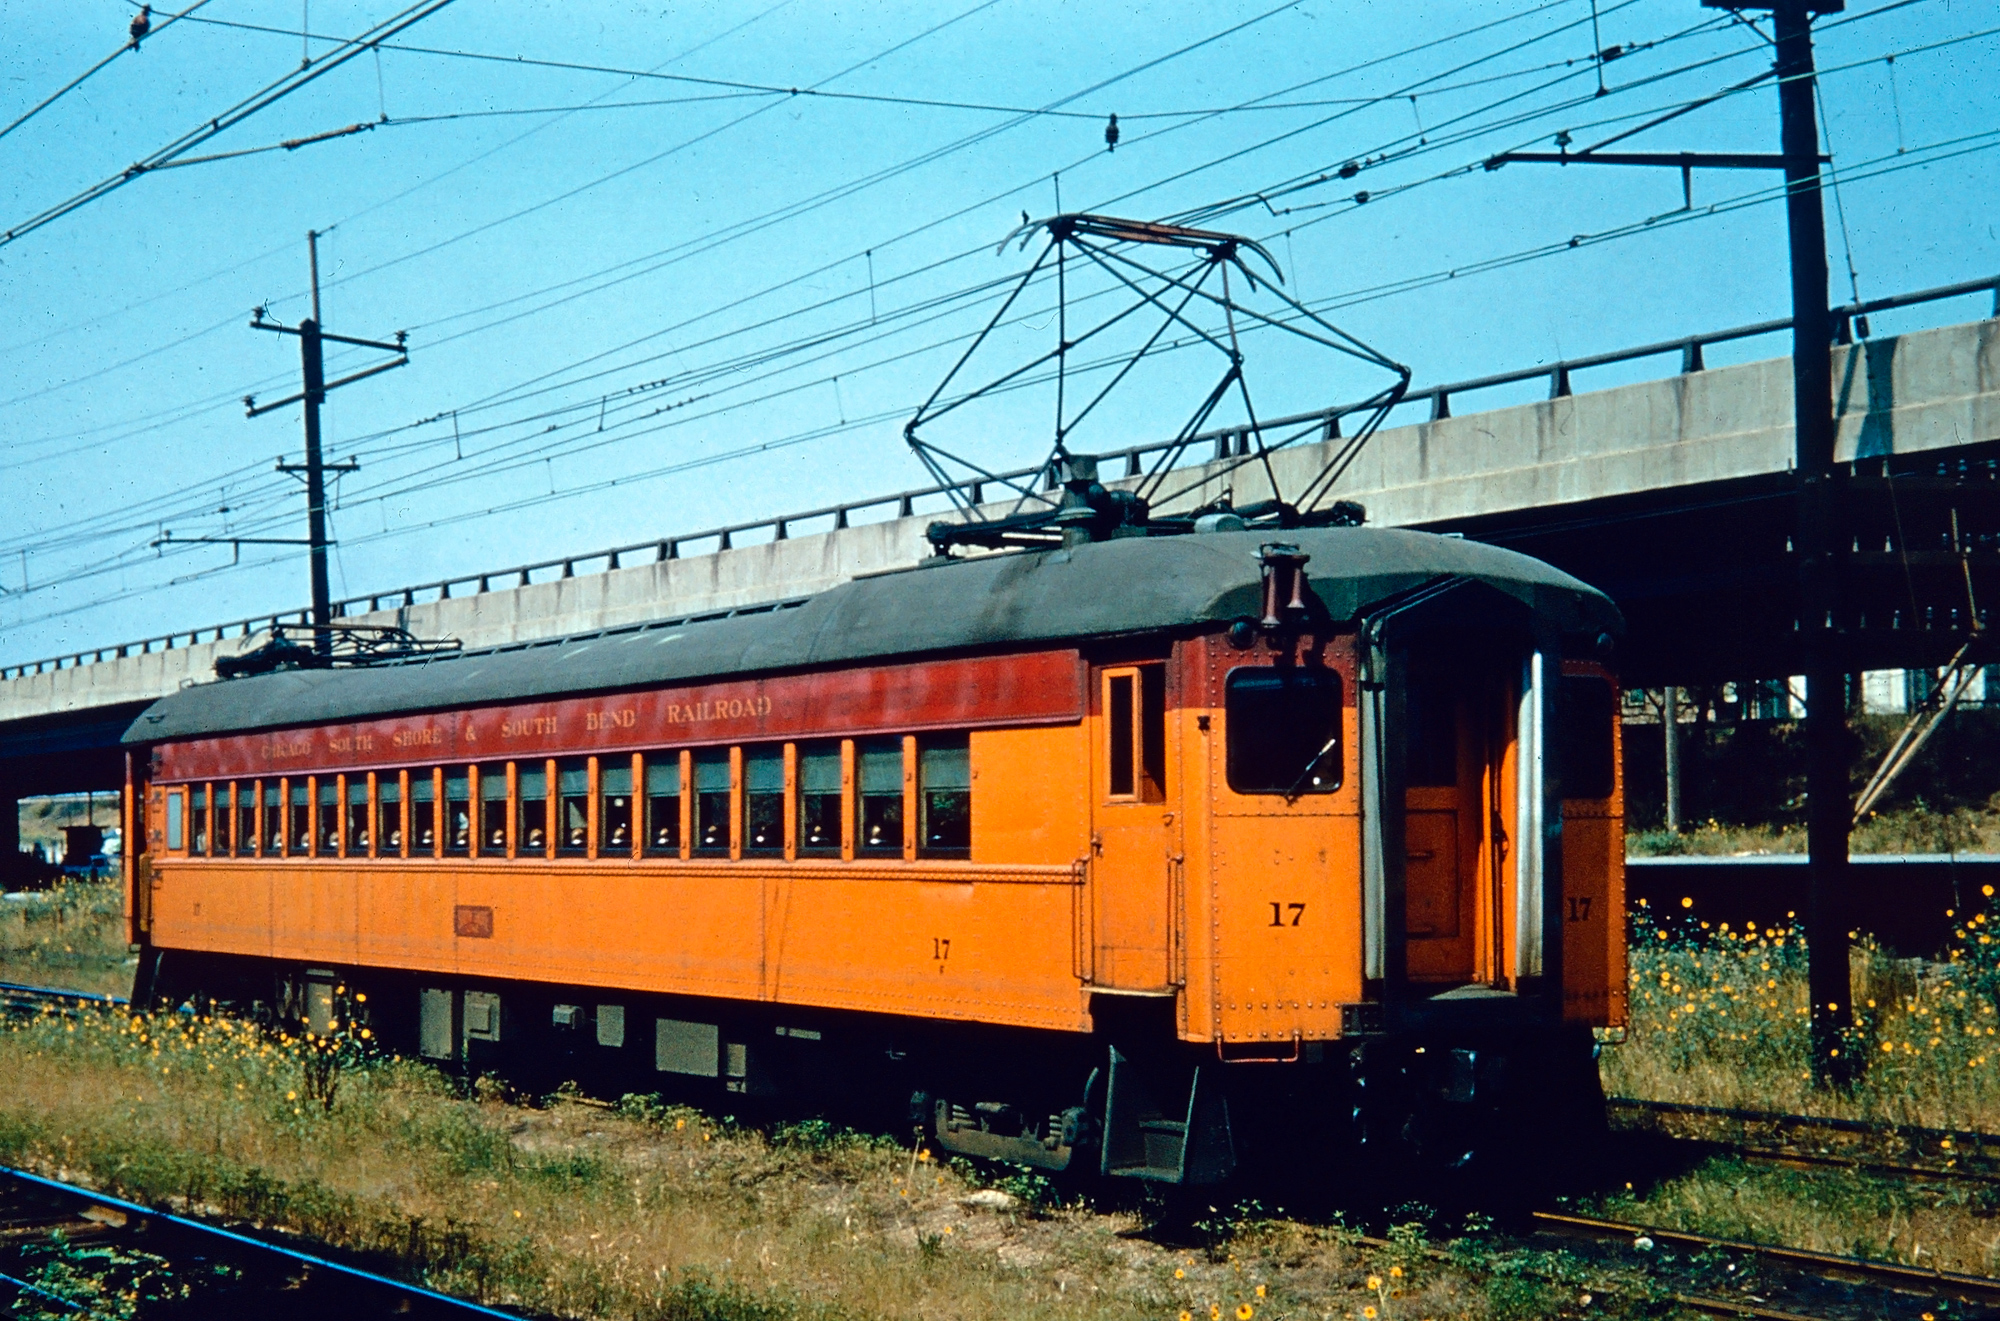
x=1146, y=852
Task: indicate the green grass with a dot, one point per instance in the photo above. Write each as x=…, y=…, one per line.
x=1915, y=829
x=1719, y=1017
x=72, y=936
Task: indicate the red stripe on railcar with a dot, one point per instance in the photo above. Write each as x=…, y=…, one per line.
x=1038, y=688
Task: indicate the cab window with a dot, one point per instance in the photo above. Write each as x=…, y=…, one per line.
x=1586, y=709
x=1283, y=730
x=176, y=802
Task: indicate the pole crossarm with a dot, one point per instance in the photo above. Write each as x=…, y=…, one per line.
x=255, y=409
x=1685, y=160
x=312, y=339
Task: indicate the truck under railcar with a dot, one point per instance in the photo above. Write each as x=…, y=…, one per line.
x=1155, y=855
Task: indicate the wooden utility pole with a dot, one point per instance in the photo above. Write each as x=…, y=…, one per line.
x=1817, y=541
x=313, y=370
x=1816, y=535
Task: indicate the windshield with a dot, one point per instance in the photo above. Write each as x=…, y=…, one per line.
x=1283, y=730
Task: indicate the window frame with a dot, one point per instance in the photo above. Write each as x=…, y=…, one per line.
x=201, y=818
x=860, y=797
x=800, y=754
x=559, y=799
x=399, y=781
x=1337, y=758
x=600, y=828
x=930, y=743
x=642, y=803
x=521, y=820
x=744, y=757
x=1141, y=745
x=695, y=793
x=325, y=844
x=365, y=782
x=174, y=828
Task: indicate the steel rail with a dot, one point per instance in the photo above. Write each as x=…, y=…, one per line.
x=1978, y=1289
x=1227, y=442
x=243, y=1243
x=60, y=993
x=1917, y=1132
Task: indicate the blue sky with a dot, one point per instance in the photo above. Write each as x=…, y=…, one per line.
x=645, y=305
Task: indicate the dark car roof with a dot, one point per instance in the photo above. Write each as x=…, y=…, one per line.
x=1107, y=588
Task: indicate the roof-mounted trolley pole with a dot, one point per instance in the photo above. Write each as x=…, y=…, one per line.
x=1817, y=532
x=311, y=340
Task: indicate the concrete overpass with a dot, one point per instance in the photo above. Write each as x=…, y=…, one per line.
x=1669, y=493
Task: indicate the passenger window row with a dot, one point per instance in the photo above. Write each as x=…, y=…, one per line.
x=848, y=799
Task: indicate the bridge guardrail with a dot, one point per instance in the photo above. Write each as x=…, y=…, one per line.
x=1849, y=321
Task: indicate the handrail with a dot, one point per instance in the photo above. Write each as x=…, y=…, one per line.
x=1226, y=441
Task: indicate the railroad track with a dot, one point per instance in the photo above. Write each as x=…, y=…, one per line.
x=1774, y=1280
x=17, y=997
x=1908, y=1132
x=224, y=1273
x=1958, y=1155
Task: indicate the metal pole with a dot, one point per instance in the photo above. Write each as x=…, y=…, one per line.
x=1818, y=544
x=1670, y=724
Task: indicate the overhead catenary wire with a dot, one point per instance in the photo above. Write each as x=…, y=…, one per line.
x=270, y=94
x=1872, y=169
x=1361, y=66
x=1531, y=254
x=131, y=46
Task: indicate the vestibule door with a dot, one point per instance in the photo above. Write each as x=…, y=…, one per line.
x=1135, y=831
x=1456, y=804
